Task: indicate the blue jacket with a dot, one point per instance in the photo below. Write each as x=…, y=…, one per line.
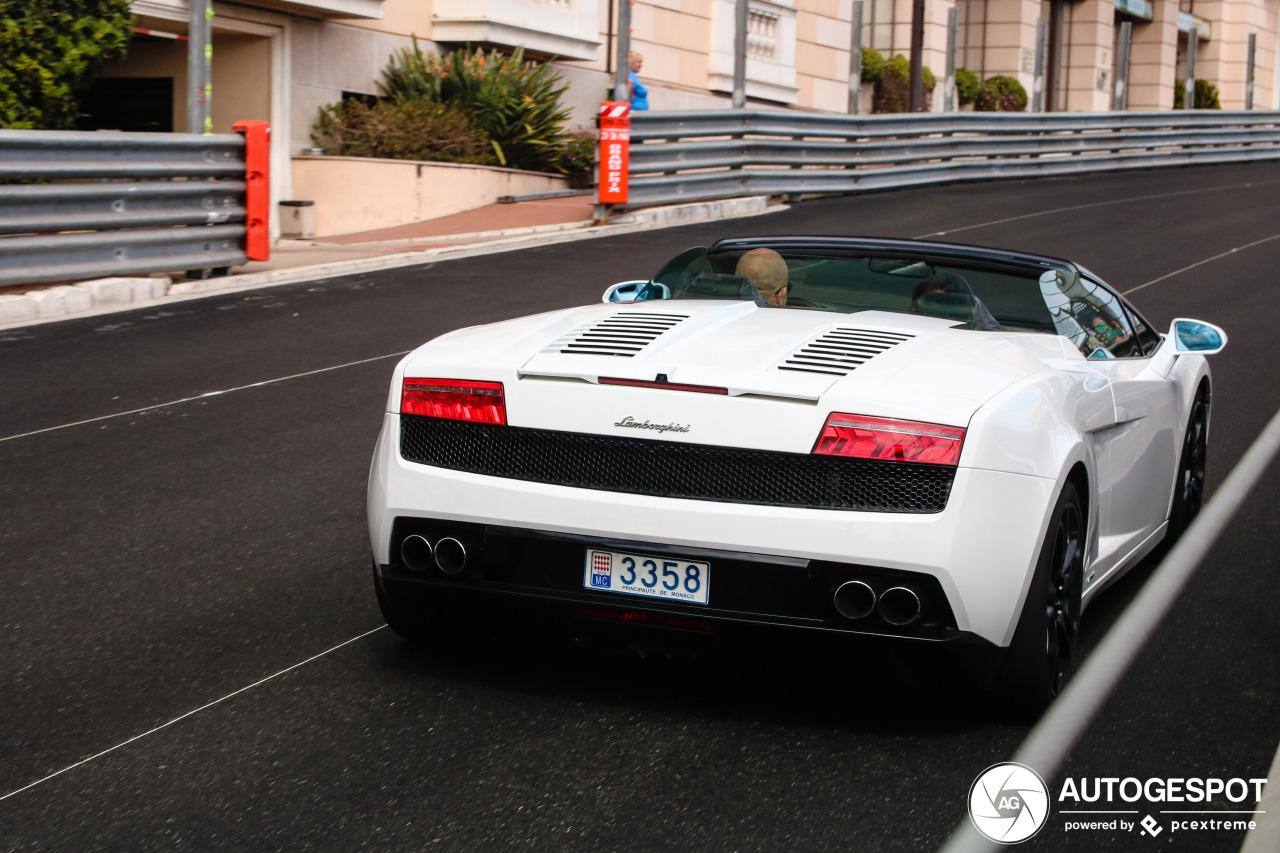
x=639, y=93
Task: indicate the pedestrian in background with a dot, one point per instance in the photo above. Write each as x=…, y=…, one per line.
x=639, y=92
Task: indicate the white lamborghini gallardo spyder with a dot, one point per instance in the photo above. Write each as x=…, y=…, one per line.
x=828, y=440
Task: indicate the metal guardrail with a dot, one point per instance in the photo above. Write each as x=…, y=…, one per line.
x=692, y=156
x=88, y=204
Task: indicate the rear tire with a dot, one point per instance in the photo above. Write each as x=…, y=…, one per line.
x=1188, y=488
x=1044, y=649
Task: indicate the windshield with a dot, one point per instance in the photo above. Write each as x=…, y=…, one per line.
x=979, y=294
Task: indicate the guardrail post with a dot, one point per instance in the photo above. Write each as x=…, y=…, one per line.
x=257, y=188
x=1042, y=48
x=1189, y=87
x=1120, y=97
x=1251, y=54
x=622, y=77
x=199, y=64
x=740, y=11
x=949, y=81
x=855, y=58
x=916, y=100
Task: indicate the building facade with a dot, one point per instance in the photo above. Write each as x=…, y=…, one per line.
x=282, y=60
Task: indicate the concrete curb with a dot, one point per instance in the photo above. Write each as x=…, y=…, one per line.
x=109, y=295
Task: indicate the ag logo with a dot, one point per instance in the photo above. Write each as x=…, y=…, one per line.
x=1008, y=803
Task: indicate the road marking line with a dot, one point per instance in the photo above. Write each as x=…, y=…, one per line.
x=1093, y=204
x=1265, y=836
x=1202, y=263
x=206, y=394
x=190, y=713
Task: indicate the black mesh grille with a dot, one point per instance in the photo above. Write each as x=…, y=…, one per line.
x=671, y=469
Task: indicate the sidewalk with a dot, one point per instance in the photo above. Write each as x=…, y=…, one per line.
x=482, y=224
x=484, y=230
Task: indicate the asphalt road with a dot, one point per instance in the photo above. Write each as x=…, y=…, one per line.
x=193, y=658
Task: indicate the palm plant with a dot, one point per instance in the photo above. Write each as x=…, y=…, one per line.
x=516, y=103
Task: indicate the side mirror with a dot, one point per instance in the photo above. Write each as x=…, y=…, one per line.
x=626, y=291
x=1196, y=336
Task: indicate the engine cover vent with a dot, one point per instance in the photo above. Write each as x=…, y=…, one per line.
x=840, y=350
x=622, y=334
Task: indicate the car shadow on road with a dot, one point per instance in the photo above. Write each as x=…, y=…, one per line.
x=872, y=691
x=874, y=696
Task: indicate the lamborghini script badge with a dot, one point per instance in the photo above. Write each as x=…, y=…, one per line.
x=631, y=423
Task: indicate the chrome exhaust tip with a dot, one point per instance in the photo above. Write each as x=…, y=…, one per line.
x=451, y=555
x=899, y=606
x=416, y=553
x=855, y=600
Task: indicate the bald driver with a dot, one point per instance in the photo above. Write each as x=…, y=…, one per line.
x=768, y=272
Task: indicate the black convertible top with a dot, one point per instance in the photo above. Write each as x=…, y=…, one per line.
x=915, y=248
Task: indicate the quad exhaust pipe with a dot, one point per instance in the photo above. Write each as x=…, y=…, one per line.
x=416, y=553
x=898, y=606
x=855, y=600
x=449, y=554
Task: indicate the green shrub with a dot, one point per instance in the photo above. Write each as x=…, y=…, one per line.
x=1001, y=94
x=967, y=85
x=1206, y=95
x=410, y=130
x=412, y=74
x=50, y=51
x=873, y=65
x=893, y=91
x=577, y=159
x=516, y=103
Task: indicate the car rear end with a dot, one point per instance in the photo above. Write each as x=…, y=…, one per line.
x=707, y=511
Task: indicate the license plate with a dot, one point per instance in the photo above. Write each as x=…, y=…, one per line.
x=651, y=577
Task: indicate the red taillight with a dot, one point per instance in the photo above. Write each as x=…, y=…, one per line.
x=456, y=399
x=890, y=439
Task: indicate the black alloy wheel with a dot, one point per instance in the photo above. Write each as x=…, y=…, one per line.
x=1189, y=488
x=1063, y=596
x=1043, y=653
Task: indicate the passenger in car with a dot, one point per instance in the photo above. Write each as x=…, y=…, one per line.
x=1108, y=332
x=768, y=272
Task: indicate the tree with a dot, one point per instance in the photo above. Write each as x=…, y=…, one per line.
x=50, y=51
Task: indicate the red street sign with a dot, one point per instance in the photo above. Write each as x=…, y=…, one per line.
x=615, y=152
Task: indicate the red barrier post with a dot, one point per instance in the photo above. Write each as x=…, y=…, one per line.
x=615, y=152
x=257, y=188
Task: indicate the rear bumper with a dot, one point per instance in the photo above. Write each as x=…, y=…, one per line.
x=979, y=551
x=538, y=620
x=746, y=589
